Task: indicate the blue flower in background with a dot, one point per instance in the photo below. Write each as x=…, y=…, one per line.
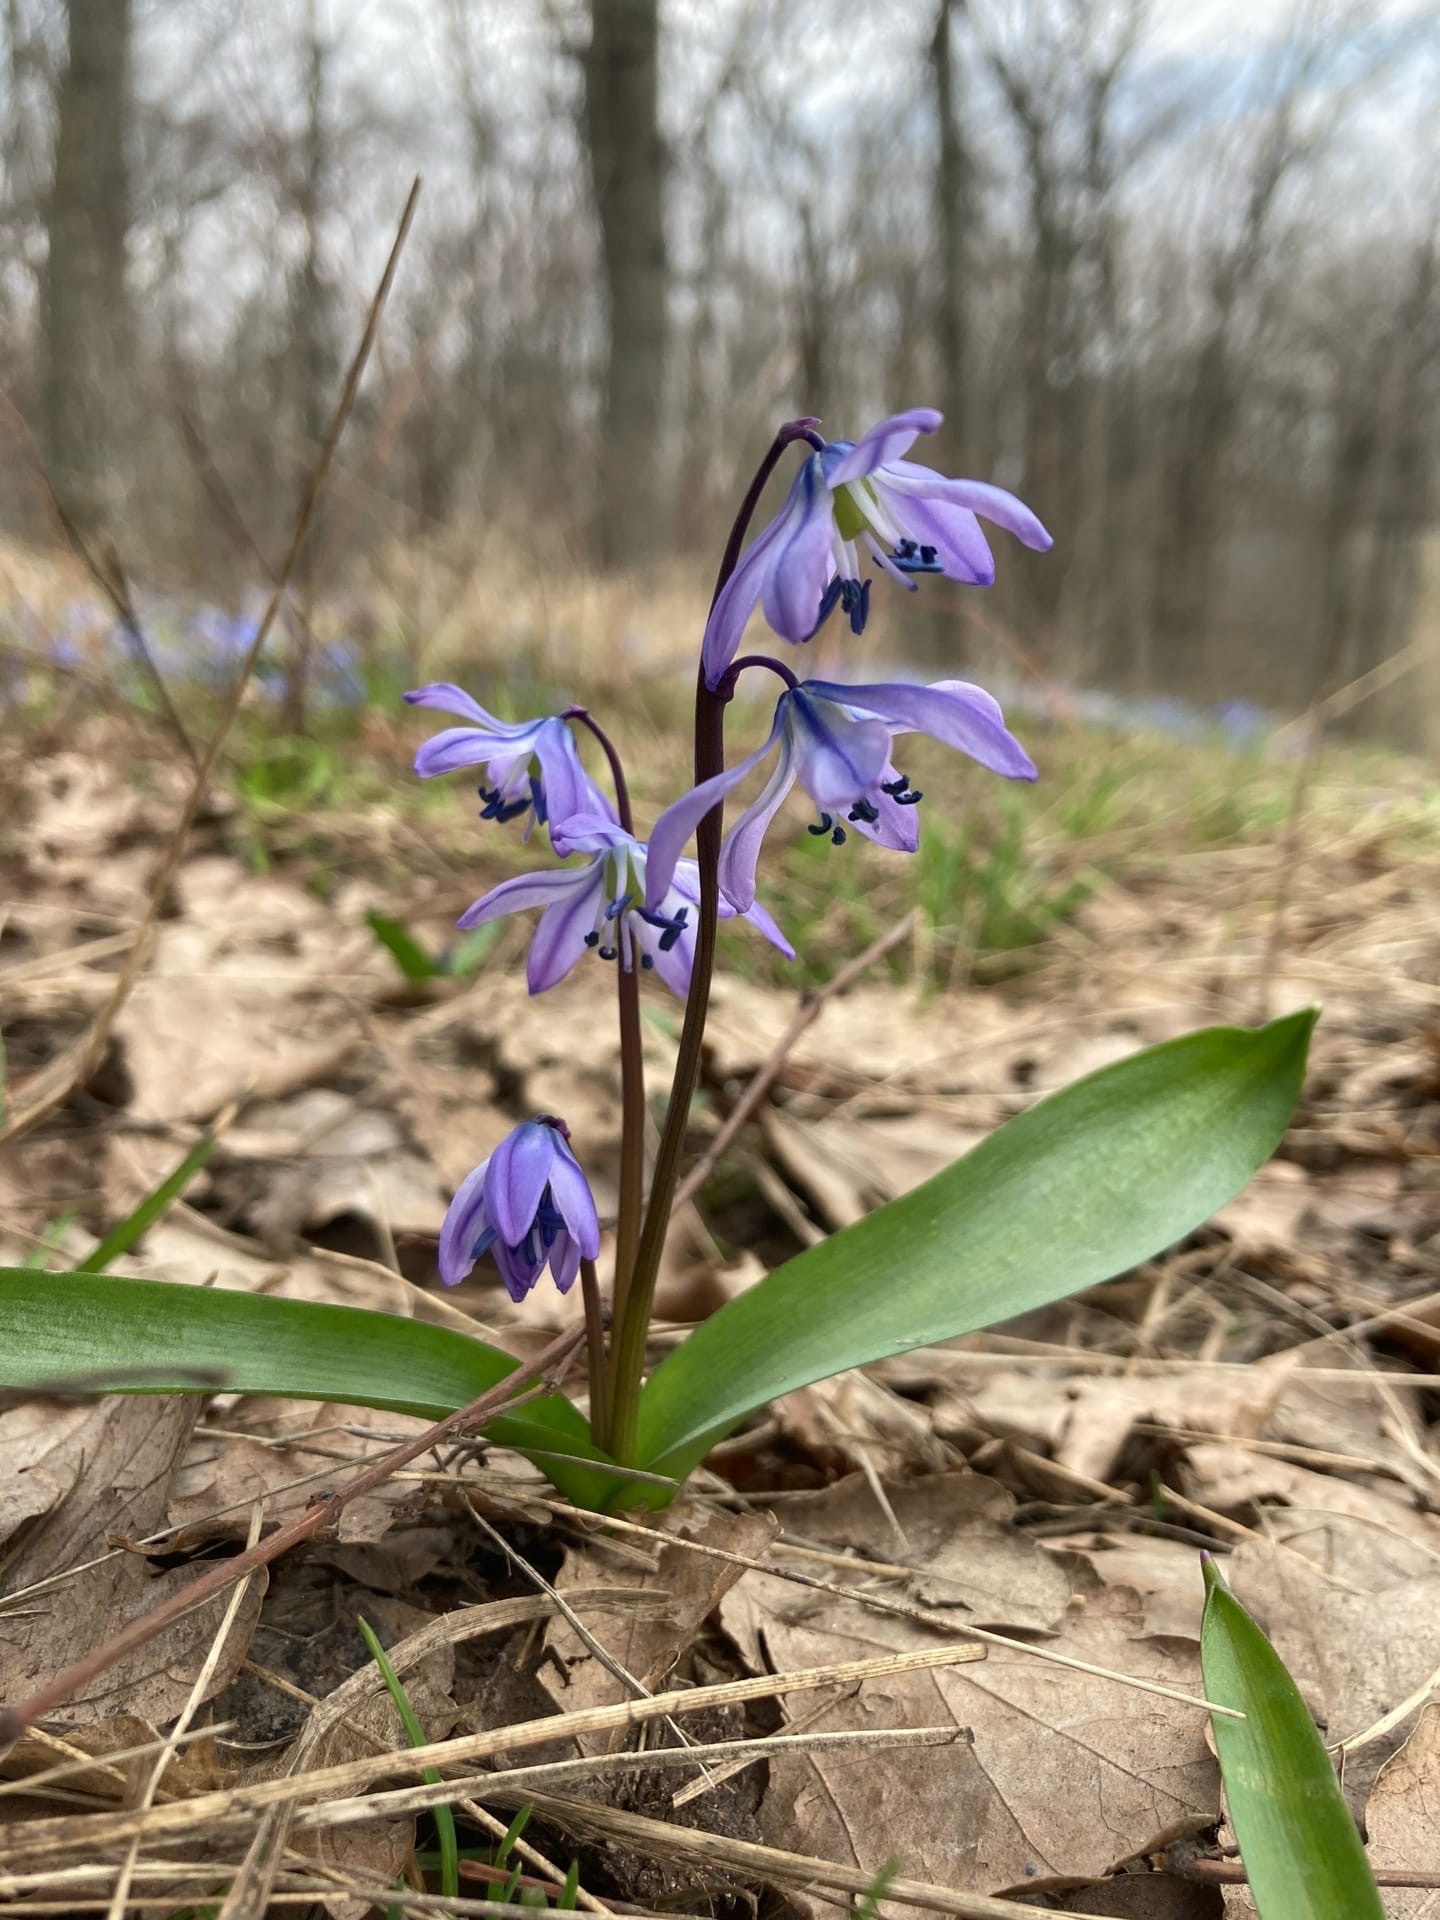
x=530, y=1206
x=857, y=498
x=837, y=741
x=530, y=764
x=604, y=907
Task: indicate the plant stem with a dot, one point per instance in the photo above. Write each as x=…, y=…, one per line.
x=632, y=1103
x=632, y=1315
x=595, y=1353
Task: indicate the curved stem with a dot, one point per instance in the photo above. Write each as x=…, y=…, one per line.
x=632, y=1326
x=727, y=686
x=617, y=772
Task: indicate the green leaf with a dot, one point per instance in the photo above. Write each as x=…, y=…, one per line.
x=469, y=955
x=101, y=1330
x=404, y=949
x=121, y=1238
x=1302, y=1856
x=1085, y=1185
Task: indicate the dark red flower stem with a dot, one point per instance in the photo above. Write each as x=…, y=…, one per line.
x=632, y=1114
x=632, y=1320
x=727, y=686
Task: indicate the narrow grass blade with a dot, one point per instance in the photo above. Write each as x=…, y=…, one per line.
x=103, y=1328
x=404, y=949
x=122, y=1238
x=1302, y=1855
x=416, y=1735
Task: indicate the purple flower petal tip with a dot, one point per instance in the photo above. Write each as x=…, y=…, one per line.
x=529, y=1206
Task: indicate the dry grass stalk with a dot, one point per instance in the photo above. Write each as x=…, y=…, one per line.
x=45, y=1838
x=657, y=1839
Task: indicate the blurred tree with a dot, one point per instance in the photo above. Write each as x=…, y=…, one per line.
x=627, y=165
x=954, y=218
x=88, y=330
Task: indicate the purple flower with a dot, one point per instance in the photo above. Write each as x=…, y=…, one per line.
x=604, y=907
x=528, y=764
x=529, y=1205
x=837, y=742
x=855, y=498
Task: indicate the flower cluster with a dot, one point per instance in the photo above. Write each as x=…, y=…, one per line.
x=853, y=506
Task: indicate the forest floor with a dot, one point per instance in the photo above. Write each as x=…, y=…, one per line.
x=1266, y=1391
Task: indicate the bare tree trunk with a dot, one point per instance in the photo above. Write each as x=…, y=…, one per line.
x=314, y=355
x=622, y=113
x=954, y=191
x=87, y=332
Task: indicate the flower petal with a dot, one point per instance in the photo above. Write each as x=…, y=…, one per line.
x=452, y=699
x=518, y=1273
x=573, y=1199
x=952, y=711
x=838, y=757
x=679, y=820
x=560, y=937
x=759, y=916
x=736, y=602
x=977, y=496
x=954, y=532
x=525, y=890
x=671, y=964
x=455, y=748
x=802, y=559
x=740, y=849
x=519, y=1174
x=565, y=1262
x=569, y=791
x=465, y=1220
x=894, y=827
x=887, y=442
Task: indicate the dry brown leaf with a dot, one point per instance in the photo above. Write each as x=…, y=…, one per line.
x=1103, y=1410
x=1364, y=1532
x=225, y=1469
x=1165, y=1574
x=647, y=1650
x=1402, y=1818
x=957, y=1531
x=1353, y=1656
x=131, y=1448
x=1062, y=1776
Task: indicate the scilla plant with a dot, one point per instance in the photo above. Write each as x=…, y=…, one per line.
x=1084, y=1185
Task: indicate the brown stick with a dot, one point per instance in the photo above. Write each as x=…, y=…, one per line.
x=322, y=1513
x=764, y=1076
x=1231, y=1873
x=46, y=1091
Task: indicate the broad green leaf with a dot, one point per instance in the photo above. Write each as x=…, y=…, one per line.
x=121, y=1238
x=111, y=1334
x=1086, y=1184
x=404, y=949
x=1301, y=1853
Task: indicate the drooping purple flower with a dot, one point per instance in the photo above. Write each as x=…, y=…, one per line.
x=838, y=742
x=529, y=764
x=529, y=1205
x=603, y=907
x=852, y=505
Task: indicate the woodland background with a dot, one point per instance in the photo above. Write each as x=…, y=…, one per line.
x=1170, y=270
